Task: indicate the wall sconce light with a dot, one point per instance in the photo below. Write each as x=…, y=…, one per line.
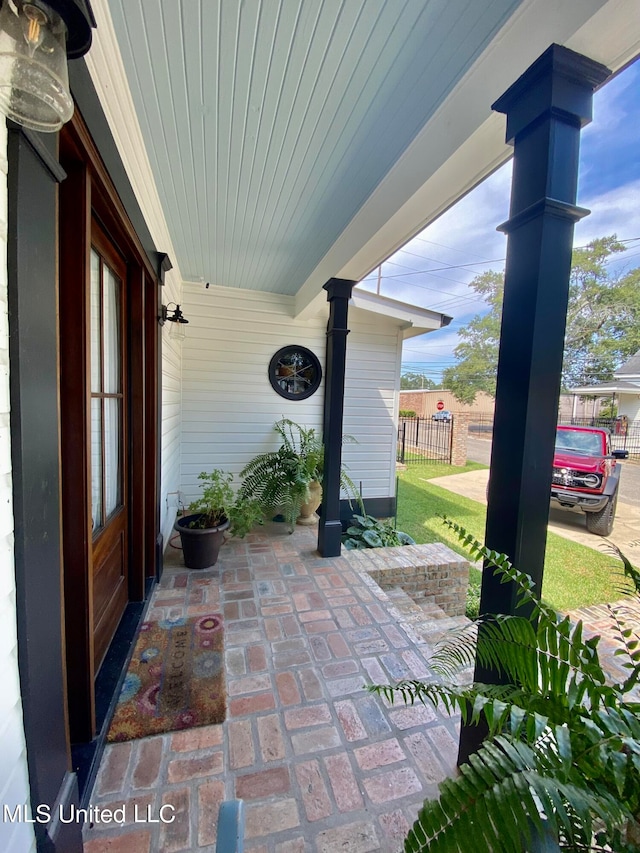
x=177, y=319
x=35, y=40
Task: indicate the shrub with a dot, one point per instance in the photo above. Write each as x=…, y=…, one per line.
x=472, y=609
x=406, y=413
x=367, y=532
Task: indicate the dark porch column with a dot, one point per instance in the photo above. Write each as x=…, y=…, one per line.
x=330, y=528
x=34, y=172
x=545, y=109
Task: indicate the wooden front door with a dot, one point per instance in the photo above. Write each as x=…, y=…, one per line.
x=108, y=338
x=108, y=418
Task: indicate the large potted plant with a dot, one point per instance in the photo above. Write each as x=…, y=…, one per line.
x=559, y=768
x=216, y=514
x=289, y=480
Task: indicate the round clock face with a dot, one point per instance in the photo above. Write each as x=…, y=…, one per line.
x=295, y=372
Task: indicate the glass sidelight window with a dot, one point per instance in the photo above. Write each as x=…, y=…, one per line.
x=106, y=391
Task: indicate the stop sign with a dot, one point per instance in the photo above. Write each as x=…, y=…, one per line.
x=439, y=405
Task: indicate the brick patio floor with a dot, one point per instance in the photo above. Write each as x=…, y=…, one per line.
x=321, y=764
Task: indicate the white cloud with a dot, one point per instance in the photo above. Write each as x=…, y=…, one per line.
x=614, y=212
x=466, y=235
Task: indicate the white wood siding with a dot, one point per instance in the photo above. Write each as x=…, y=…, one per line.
x=171, y=397
x=629, y=405
x=374, y=348
x=14, y=780
x=229, y=406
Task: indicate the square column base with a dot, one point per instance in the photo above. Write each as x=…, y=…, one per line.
x=329, y=538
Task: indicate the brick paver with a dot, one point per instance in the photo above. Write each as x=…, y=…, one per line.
x=601, y=619
x=322, y=764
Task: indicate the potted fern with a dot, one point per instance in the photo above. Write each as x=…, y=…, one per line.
x=289, y=480
x=560, y=766
x=217, y=513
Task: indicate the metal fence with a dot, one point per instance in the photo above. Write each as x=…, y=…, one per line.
x=481, y=423
x=624, y=436
x=424, y=440
x=607, y=423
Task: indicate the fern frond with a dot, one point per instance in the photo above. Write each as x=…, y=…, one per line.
x=502, y=566
x=502, y=800
x=438, y=695
x=628, y=570
x=566, y=661
x=499, y=780
x=502, y=706
x=455, y=650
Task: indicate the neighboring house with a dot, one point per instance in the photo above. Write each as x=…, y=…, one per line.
x=265, y=150
x=623, y=389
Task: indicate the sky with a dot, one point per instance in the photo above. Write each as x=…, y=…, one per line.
x=434, y=269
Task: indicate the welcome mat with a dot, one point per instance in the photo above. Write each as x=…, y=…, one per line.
x=175, y=679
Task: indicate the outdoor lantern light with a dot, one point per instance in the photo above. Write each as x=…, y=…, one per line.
x=177, y=319
x=35, y=40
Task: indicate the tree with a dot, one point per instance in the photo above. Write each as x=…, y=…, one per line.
x=608, y=410
x=603, y=322
x=603, y=325
x=478, y=353
x=415, y=382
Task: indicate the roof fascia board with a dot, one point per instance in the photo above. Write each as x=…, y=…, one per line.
x=416, y=320
x=607, y=388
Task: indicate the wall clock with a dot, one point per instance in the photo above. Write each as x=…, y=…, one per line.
x=295, y=372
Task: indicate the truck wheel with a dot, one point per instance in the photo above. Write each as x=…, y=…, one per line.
x=601, y=522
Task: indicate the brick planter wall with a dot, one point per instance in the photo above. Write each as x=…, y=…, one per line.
x=432, y=573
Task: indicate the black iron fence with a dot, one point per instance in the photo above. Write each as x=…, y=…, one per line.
x=607, y=423
x=481, y=423
x=424, y=440
x=624, y=436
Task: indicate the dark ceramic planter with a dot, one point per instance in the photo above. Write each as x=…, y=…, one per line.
x=200, y=545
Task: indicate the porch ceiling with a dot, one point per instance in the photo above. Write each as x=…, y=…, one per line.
x=270, y=124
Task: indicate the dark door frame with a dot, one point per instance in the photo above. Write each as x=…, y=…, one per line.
x=57, y=777
x=89, y=194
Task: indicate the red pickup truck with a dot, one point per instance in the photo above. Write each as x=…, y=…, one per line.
x=586, y=475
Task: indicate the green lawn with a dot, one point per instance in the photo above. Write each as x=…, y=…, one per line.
x=574, y=575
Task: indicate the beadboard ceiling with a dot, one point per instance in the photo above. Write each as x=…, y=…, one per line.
x=268, y=123
x=275, y=130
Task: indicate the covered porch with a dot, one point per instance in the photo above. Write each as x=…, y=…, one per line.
x=233, y=159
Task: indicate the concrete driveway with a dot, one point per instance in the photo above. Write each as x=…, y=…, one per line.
x=568, y=523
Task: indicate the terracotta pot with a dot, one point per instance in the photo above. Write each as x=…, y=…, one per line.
x=308, y=510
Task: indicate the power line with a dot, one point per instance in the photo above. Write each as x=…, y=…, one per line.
x=449, y=248
x=479, y=263
x=435, y=289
